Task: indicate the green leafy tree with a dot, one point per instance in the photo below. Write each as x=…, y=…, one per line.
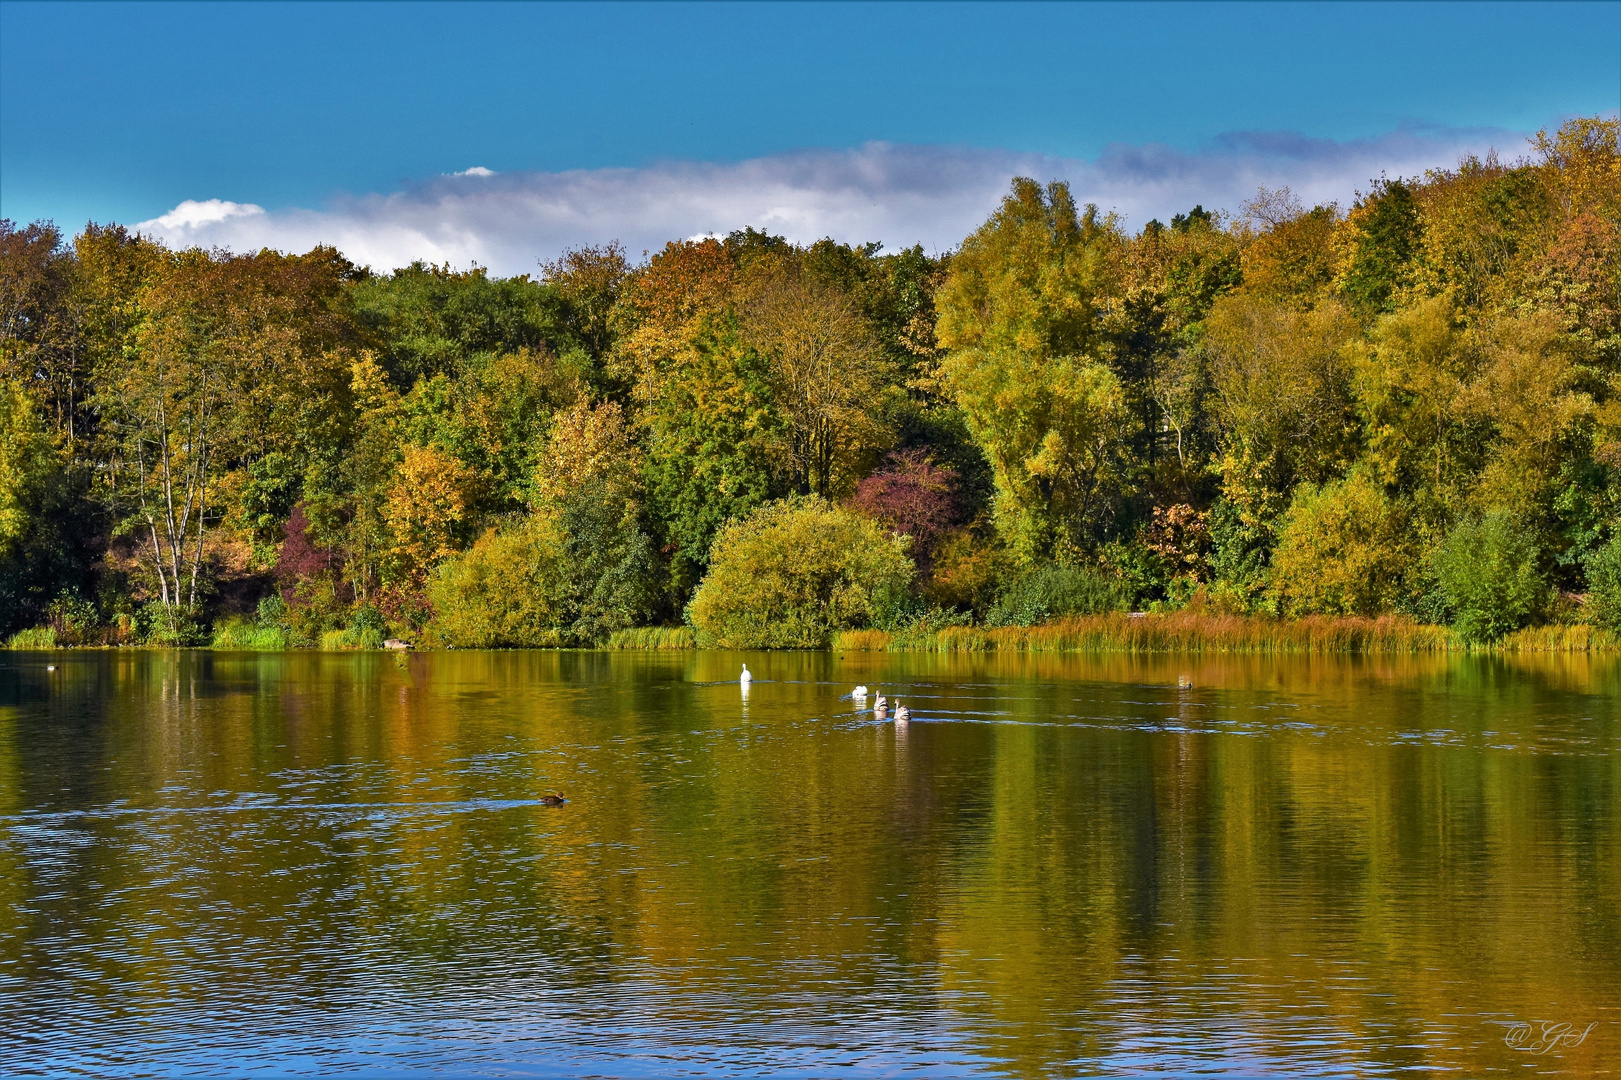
x=1385, y=232
x=431, y=320
x=1603, y=607
x=39, y=557
x=591, y=483
x=793, y=573
x=1488, y=575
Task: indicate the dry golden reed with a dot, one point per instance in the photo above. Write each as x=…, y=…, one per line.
x=1560, y=637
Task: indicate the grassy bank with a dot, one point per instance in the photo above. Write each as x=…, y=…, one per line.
x=1177, y=632
x=653, y=637
x=1189, y=632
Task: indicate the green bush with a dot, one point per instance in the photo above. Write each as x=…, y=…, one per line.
x=74, y=620
x=1603, y=607
x=1240, y=554
x=1487, y=571
x=246, y=635
x=573, y=577
x=318, y=607
x=1144, y=574
x=1052, y=592
x=352, y=637
x=793, y=573
x=1343, y=549
x=503, y=591
x=40, y=637
x=174, y=627
x=267, y=631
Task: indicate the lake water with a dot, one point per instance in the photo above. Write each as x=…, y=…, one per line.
x=1063, y=866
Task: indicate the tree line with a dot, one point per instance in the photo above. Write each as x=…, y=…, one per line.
x=1411, y=405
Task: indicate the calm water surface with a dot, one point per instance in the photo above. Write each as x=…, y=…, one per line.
x=1065, y=866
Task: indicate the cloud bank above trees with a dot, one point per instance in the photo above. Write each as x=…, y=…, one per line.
x=893, y=193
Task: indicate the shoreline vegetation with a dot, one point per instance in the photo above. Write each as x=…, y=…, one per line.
x=1392, y=426
x=1190, y=632
x=1179, y=632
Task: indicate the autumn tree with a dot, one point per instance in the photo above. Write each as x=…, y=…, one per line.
x=588, y=280
x=827, y=378
x=703, y=401
x=1019, y=320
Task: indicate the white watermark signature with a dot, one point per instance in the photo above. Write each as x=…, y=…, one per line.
x=1544, y=1038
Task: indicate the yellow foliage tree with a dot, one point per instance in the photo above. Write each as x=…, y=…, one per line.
x=26, y=460
x=1344, y=549
x=503, y=592
x=1283, y=398
x=1019, y=319
x=426, y=509
x=591, y=448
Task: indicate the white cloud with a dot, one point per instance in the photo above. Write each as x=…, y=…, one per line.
x=192, y=214
x=476, y=170
x=898, y=194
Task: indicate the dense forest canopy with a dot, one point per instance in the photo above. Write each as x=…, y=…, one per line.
x=1409, y=405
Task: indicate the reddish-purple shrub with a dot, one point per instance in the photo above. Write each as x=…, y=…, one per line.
x=301, y=558
x=911, y=495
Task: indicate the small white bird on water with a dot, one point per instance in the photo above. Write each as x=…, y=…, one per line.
x=902, y=713
x=746, y=678
x=860, y=691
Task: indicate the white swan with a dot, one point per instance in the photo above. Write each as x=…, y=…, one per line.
x=745, y=678
x=902, y=713
x=860, y=691
x=881, y=703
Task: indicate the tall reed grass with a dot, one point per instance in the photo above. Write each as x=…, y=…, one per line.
x=1181, y=631
x=245, y=636
x=352, y=638
x=40, y=637
x=653, y=637
x=1560, y=637
x=864, y=641
x=1194, y=632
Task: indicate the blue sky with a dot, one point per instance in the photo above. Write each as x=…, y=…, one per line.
x=349, y=117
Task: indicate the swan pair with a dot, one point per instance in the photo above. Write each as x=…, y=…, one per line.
x=881, y=706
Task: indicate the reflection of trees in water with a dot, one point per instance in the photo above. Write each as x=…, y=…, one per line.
x=1289, y=850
